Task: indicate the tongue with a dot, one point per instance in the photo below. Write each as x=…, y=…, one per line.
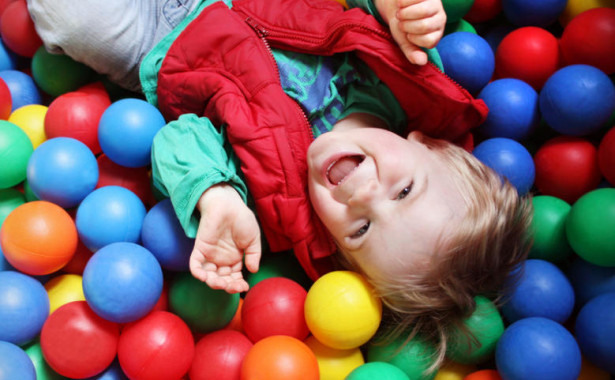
x=342, y=167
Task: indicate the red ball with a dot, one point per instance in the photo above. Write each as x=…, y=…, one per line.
x=530, y=54
x=590, y=39
x=483, y=10
x=567, y=168
x=219, y=355
x=77, y=343
x=136, y=180
x=274, y=306
x=77, y=264
x=606, y=156
x=6, y=101
x=17, y=29
x=159, y=346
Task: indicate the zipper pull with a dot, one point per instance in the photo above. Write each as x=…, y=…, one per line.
x=256, y=26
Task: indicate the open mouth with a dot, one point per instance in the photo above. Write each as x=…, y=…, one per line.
x=342, y=167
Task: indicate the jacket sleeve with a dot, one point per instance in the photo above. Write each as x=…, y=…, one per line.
x=189, y=155
x=367, y=5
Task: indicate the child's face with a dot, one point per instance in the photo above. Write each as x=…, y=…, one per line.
x=385, y=199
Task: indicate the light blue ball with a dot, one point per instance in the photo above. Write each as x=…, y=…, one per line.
x=22, y=88
x=122, y=282
x=15, y=363
x=8, y=59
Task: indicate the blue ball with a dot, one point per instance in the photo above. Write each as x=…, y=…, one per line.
x=122, y=282
x=126, y=131
x=533, y=13
x=537, y=348
x=113, y=372
x=595, y=331
x=4, y=265
x=15, y=363
x=468, y=59
x=509, y=159
x=577, y=100
x=542, y=290
x=108, y=215
x=24, y=307
x=164, y=236
x=62, y=170
x=8, y=59
x=22, y=88
x=590, y=280
x=513, y=109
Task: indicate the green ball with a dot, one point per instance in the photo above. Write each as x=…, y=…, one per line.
x=377, y=370
x=202, y=308
x=16, y=149
x=456, y=9
x=57, y=74
x=486, y=325
x=590, y=226
x=459, y=26
x=414, y=358
x=10, y=199
x=549, y=229
x=43, y=370
x=282, y=264
x=28, y=193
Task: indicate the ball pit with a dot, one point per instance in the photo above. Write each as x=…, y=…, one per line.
x=22, y=88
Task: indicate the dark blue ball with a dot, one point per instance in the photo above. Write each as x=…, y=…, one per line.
x=22, y=87
x=15, y=363
x=590, y=280
x=533, y=13
x=595, y=331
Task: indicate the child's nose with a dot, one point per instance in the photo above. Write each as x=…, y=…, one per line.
x=364, y=194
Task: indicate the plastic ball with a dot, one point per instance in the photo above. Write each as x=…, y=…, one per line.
x=113, y=372
x=590, y=280
x=127, y=129
x=486, y=325
x=483, y=10
x=17, y=30
x=459, y=26
x=164, y=236
x=536, y=13
x=342, y=311
x=62, y=170
x=136, y=180
x=77, y=264
x=590, y=224
x=606, y=156
x=76, y=114
x=577, y=100
x=334, y=364
x=8, y=59
x=567, y=168
x=509, y=159
x=16, y=148
x=484, y=374
x=218, y=356
x=575, y=7
x=542, y=290
x=77, y=343
x=538, y=348
x=528, y=53
x=595, y=331
x=414, y=357
x=42, y=369
x=10, y=199
x=22, y=88
x=513, y=109
x=204, y=309
x=38, y=238
x=456, y=9
x=280, y=264
x=108, y=215
x=122, y=282
x=377, y=370
x=64, y=289
x=280, y=357
x=275, y=306
x=24, y=307
x=31, y=118
x=6, y=102
x=468, y=59
x=4, y=265
x=549, y=229
x=57, y=74
x=156, y=347
x=15, y=363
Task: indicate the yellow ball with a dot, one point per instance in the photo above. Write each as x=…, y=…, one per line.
x=31, y=119
x=454, y=371
x=64, y=289
x=342, y=311
x=334, y=364
x=574, y=7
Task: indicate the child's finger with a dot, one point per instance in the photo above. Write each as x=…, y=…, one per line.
x=253, y=256
x=418, y=11
x=407, y=3
x=429, y=40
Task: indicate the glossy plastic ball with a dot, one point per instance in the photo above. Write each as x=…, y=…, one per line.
x=538, y=348
x=468, y=59
x=6, y=102
x=16, y=148
x=535, y=13
x=77, y=343
x=377, y=370
x=509, y=159
x=10, y=199
x=38, y=238
x=57, y=74
x=606, y=156
x=8, y=59
x=127, y=129
x=549, y=229
x=122, y=282
x=113, y=372
x=576, y=7
x=275, y=306
x=589, y=280
x=62, y=170
x=483, y=10
x=17, y=29
x=64, y=289
x=595, y=331
x=219, y=355
x=414, y=357
x=136, y=180
x=280, y=264
x=513, y=109
x=577, y=100
x=42, y=369
x=31, y=118
x=456, y=9
x=484, y=374
x=15, y=363
x=24, y=307
x=108, y=215
x=333, y=363
x=590, y=224
x=22, y=87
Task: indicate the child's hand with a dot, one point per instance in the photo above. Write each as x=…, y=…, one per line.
x=227, y=230
x=414, y=24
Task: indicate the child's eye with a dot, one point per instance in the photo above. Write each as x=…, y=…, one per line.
x=406, y=190
x=361, y=231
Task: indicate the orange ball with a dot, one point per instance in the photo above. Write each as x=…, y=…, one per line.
x=485, y=374
x=38, y=238
x=280, y=357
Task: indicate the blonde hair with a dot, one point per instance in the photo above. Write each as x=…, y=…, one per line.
x=478, y=258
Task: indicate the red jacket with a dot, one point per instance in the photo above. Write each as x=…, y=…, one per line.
x=232, y=79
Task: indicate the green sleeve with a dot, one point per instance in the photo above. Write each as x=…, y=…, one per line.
x=189, y=155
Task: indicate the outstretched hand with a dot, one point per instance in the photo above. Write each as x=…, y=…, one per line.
x=228, y=231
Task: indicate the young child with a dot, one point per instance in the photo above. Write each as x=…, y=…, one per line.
x=281, y=97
